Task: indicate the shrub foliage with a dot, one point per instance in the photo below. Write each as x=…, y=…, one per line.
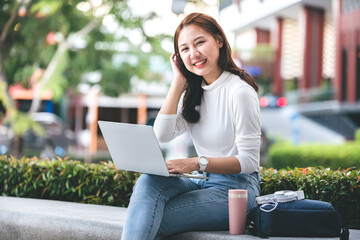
x=282, y=155
x=67, y=180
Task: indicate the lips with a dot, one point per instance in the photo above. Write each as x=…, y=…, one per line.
x=200, y=64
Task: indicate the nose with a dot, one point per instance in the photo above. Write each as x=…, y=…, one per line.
x=194, y=53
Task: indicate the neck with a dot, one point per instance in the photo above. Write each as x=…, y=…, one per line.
x=210, y=79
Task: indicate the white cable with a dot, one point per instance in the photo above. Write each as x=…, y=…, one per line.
x=273, y=204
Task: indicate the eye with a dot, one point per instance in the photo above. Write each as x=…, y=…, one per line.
x=184, y=49
x=200, y=42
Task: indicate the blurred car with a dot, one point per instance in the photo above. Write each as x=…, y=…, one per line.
x=272, y=101
x=58, y=136
x=5, y=139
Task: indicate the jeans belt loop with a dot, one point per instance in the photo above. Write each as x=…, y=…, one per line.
x=206, y=174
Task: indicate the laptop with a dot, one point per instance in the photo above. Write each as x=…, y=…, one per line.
x=135, y=148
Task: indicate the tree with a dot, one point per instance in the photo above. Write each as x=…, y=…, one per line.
x=65, y=39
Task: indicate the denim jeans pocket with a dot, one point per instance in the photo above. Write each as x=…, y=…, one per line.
x=241, y=179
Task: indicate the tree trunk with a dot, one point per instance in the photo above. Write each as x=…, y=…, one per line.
x=62, y=48
x=3, y=80
x=6, y=99
x=35, y=104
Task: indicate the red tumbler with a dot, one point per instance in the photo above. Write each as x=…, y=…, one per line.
x=237, y=211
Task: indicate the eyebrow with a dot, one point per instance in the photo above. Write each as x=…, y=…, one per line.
x=201, y=36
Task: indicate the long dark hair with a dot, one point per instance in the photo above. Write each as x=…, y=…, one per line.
x=194, y=91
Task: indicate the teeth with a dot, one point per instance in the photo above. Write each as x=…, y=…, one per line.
x=199, y=63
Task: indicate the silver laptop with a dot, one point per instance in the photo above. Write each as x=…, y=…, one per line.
x=135, y=148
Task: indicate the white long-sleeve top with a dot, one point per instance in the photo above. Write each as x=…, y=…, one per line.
x=229, y=122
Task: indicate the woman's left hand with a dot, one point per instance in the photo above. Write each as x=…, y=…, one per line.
x=184, y=165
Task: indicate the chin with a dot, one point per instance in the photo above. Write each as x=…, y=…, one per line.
x=195, y=71
x=202, y=73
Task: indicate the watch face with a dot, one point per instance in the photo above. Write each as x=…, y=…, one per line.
x=203, y=161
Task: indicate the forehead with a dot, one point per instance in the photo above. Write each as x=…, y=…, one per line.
x=190, y=33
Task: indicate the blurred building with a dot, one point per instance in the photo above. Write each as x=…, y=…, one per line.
x=315, y=46
x=85, y=110
x=79, y=112
x=313, y=40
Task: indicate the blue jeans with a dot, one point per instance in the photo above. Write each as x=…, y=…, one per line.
x=162, y=206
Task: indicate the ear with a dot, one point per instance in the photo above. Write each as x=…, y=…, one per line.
x=220, y=42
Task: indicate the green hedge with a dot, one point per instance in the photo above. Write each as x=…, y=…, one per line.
x=65, y=180
x=102, y=184
x=282, y=155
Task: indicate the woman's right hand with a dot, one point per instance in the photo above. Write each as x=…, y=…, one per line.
x=177, y=87
x=179, y=79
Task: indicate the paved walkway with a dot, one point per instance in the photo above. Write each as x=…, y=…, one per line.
x=25, y=219
x=292, y=126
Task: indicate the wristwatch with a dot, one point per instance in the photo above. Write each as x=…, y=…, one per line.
x=203, y=162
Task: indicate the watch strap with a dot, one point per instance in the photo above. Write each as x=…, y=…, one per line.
x=202, y=167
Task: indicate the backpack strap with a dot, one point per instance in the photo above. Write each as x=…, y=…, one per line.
x=344, y=235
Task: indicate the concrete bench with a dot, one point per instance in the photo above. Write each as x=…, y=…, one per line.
x=25, y=218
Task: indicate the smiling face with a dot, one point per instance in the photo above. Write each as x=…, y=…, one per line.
x=199, y=51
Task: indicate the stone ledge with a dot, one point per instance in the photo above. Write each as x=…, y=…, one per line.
x=25, y=219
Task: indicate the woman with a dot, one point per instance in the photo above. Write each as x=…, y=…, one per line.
x=216, y=102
